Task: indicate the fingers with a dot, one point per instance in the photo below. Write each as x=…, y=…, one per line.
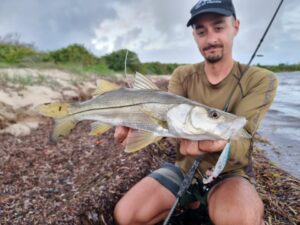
x=188, y=147
x=121, y=133
x=211, y=146
x=196, y=148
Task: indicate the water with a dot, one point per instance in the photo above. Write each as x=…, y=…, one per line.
x=281, y=125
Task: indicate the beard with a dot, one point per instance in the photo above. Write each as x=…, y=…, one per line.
x=213, y=57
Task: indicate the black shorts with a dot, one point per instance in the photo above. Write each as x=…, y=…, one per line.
x=171, y=177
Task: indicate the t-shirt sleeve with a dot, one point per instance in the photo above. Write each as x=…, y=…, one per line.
x=258, y=99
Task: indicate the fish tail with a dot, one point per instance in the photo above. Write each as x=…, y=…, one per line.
x=55, y=110
x=63, y=126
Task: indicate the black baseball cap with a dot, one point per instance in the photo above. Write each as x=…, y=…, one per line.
x=223, y=7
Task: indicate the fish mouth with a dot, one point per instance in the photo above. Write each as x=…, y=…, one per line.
x=228, y=130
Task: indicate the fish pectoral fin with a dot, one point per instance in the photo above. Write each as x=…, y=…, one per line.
x=138, y=139
x=105, y=86
x=141, y=82
x=55, y=110
x=153, y=119
x=62, y=128
x=99, y=128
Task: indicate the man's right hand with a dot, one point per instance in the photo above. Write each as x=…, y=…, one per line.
x=189, y=148
x=196, y=148
x=121, y=134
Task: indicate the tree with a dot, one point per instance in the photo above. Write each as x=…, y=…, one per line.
x=116, y=60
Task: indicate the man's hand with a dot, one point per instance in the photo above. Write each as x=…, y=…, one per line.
x=196, y=148
x=121, y=134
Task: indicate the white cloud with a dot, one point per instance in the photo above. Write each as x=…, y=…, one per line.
x=137, y=30
x=291, y=24
x=155, y=30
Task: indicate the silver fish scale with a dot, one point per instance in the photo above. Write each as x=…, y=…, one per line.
x=127, y=97
x=134, y=116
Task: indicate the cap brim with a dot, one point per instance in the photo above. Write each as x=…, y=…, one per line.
x=223, y=12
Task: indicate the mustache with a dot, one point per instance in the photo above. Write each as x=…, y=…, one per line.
x=209, y=46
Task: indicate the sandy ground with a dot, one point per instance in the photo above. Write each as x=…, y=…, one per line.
x=18, y=101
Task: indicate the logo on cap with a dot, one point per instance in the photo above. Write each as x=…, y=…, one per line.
x=205, y=2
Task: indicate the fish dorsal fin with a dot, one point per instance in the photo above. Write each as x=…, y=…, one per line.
x=141, y=82
x=105, y=86
x=99, y=128
x=138, y=139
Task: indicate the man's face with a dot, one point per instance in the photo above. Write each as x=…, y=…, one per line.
x=214, y=36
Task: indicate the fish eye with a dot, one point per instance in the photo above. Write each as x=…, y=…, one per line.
x=214, y=114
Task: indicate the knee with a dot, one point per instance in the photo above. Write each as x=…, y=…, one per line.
x=235, y=202
x=251, y=215
x=122, y=215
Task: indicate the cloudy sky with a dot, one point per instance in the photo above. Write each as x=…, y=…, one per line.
x=155, y=29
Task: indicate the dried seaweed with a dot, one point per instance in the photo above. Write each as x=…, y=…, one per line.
x=79, y=180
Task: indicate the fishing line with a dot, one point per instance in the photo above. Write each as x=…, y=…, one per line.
x=253, y=56
x=125, y=70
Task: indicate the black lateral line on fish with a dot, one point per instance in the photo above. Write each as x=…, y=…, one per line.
x=116, y=107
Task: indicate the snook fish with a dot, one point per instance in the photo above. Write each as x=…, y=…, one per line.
x=152, y=114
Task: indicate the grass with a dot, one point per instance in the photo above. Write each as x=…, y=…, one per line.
x=83, y=71
x=27, y=80
x=86, y=71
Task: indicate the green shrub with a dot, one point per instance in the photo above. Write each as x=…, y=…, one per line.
x=72, y=54
x=13, y=53
x=281, y=67
x=158, y=68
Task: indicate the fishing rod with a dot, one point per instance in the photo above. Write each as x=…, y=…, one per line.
x=265, y=33
x=253, y=55
x=190, y=174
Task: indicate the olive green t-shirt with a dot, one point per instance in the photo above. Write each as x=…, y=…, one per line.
x=251, y=99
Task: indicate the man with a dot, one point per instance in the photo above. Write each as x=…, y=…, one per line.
x=232, y=200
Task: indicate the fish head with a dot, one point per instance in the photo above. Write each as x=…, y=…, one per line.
x=204, y=123
x=215, y=122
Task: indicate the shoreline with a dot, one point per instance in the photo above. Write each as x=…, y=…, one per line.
x=80, y=179
x=281, y=125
